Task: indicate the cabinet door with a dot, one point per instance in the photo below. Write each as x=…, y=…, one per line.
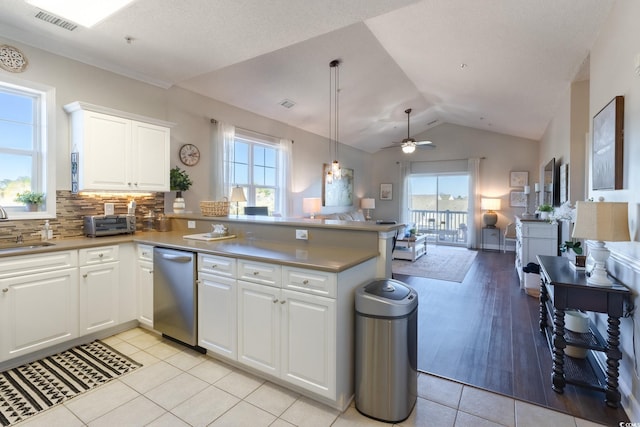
x=309, y=342
x=105, y=158
x=150, y=157
x=259, y=327
x=144, y=278
x=98, y=297
x=217, y=325
x=37, y=311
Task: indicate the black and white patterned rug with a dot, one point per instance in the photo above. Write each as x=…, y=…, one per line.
x=34, y=387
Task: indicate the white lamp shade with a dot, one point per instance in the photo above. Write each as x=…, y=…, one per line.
x=311, y=205
x=368, y=203
x=490, y=204
x=237, y=194
x=604, y=221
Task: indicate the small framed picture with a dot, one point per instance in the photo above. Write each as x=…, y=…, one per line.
x=519, y=179
x=386, y=191
x=518, y=199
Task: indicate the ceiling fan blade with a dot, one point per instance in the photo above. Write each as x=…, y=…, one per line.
x=424, y=142
x=426, y=146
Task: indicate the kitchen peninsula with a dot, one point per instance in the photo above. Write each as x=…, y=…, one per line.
x=269, y=303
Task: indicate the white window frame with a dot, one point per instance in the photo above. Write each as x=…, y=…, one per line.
x=256, y=139
x=47, y=144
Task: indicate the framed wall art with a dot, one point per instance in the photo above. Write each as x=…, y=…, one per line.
x=517, y=199
x=386, y=191
x=340, y=191
x=607, y=148
x=518, y=179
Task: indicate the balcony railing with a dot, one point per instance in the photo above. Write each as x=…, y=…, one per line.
x=443, y=226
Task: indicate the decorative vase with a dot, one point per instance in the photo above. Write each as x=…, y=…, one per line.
x=178, y=203
x=31, y=207
x=544, y=215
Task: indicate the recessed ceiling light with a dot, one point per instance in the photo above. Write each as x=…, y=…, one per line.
x=84, y=12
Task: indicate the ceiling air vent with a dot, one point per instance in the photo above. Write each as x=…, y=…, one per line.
x=52, y=19
x=287, y=103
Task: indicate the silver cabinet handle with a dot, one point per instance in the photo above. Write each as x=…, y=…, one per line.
x=100, y=255
x=255, y=273
x=283, y=301
x=150, y=271
x=5, y=290
x=275, y=300
x=85, y=275
x=305, y=282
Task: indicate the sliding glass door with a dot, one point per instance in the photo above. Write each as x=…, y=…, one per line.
x=439, y=207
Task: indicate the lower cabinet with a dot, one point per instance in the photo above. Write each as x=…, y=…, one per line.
x=217, y=314
x=144, y=279
x=37, y=310
x=288, y=334
x=99, y=281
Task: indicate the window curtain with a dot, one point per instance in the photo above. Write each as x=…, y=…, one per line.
x=405, y=171
x=284, y=178
x=474, y=202
x=221, y=149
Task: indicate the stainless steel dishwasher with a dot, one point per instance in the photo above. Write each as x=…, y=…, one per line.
x=175, y=295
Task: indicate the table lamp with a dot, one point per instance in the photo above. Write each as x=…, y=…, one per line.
x=490, y=217
x=600, y=222
x=311, y=205
x=368, y=204
x=237, y=195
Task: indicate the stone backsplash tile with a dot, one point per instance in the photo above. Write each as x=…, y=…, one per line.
x=71, y=210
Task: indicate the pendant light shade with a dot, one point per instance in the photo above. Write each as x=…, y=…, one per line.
x=335, y=171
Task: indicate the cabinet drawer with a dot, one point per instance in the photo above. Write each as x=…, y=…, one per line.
x=98, y=255
x=218, y=265
x=260, y=272
x=18, y=265
x=310, y=281
x=145, y=252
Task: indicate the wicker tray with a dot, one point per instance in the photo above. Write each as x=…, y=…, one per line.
x=217, y=208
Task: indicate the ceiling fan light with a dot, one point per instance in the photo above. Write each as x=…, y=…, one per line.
x=408, y=148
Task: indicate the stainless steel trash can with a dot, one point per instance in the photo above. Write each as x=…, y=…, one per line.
x=386, y=363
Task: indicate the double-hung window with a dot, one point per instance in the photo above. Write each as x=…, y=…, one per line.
x=27, y=155
x=255, y=166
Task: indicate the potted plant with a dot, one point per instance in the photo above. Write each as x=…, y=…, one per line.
x=32, y=200
x=179, y=181
x=544, y=210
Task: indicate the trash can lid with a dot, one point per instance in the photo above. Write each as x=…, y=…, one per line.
x=386, y=298
x=387, y=288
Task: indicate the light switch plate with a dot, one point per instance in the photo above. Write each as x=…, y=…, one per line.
x=302, y=235
x=191, y=224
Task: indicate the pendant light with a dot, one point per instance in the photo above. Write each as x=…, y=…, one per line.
x=335, y=171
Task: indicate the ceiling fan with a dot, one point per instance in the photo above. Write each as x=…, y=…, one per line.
x=409, y=144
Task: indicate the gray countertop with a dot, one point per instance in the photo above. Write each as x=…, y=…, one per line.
x=299, y=254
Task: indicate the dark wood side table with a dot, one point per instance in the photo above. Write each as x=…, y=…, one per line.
x=562, y=288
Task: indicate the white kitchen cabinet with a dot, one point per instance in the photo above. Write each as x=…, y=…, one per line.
x=259, y=327
x=217, y=305
x=119, y=151
x=144, y=279
x=38, y=302
x=98, y=288
x=534, y=237
x=308, y=342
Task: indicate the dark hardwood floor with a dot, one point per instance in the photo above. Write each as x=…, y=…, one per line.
x=484, y=332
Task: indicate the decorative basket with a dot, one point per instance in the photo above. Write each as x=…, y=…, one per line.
x=217, y=208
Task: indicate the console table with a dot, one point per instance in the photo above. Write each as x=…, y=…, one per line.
x=411, y=248
x=562, y=288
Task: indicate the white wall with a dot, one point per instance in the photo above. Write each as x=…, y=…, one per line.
x=75, y=81
x=502, y=154
x=612, y=73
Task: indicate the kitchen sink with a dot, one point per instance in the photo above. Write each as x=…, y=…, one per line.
x=19, y=247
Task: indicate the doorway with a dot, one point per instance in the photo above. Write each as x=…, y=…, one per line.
x=439, y=207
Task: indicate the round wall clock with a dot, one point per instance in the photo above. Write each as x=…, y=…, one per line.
x=189, y=154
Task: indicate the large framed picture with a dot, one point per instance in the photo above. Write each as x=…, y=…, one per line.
x=607, y=148
x=518, y=179
x=386, y=191
x=339, y=192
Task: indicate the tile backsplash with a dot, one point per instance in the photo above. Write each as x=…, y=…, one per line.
x=71, y=210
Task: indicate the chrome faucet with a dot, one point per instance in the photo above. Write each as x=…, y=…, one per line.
x=3, y=214
x=19, y=239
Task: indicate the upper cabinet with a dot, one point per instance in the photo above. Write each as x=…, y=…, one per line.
x=119, y=151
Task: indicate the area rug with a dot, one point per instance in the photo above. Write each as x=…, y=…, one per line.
x=34, y=387
x=440, y=262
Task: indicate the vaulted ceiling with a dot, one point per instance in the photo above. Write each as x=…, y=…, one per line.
x=499, y=65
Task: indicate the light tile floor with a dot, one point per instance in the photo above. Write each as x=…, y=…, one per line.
x=179, y=387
